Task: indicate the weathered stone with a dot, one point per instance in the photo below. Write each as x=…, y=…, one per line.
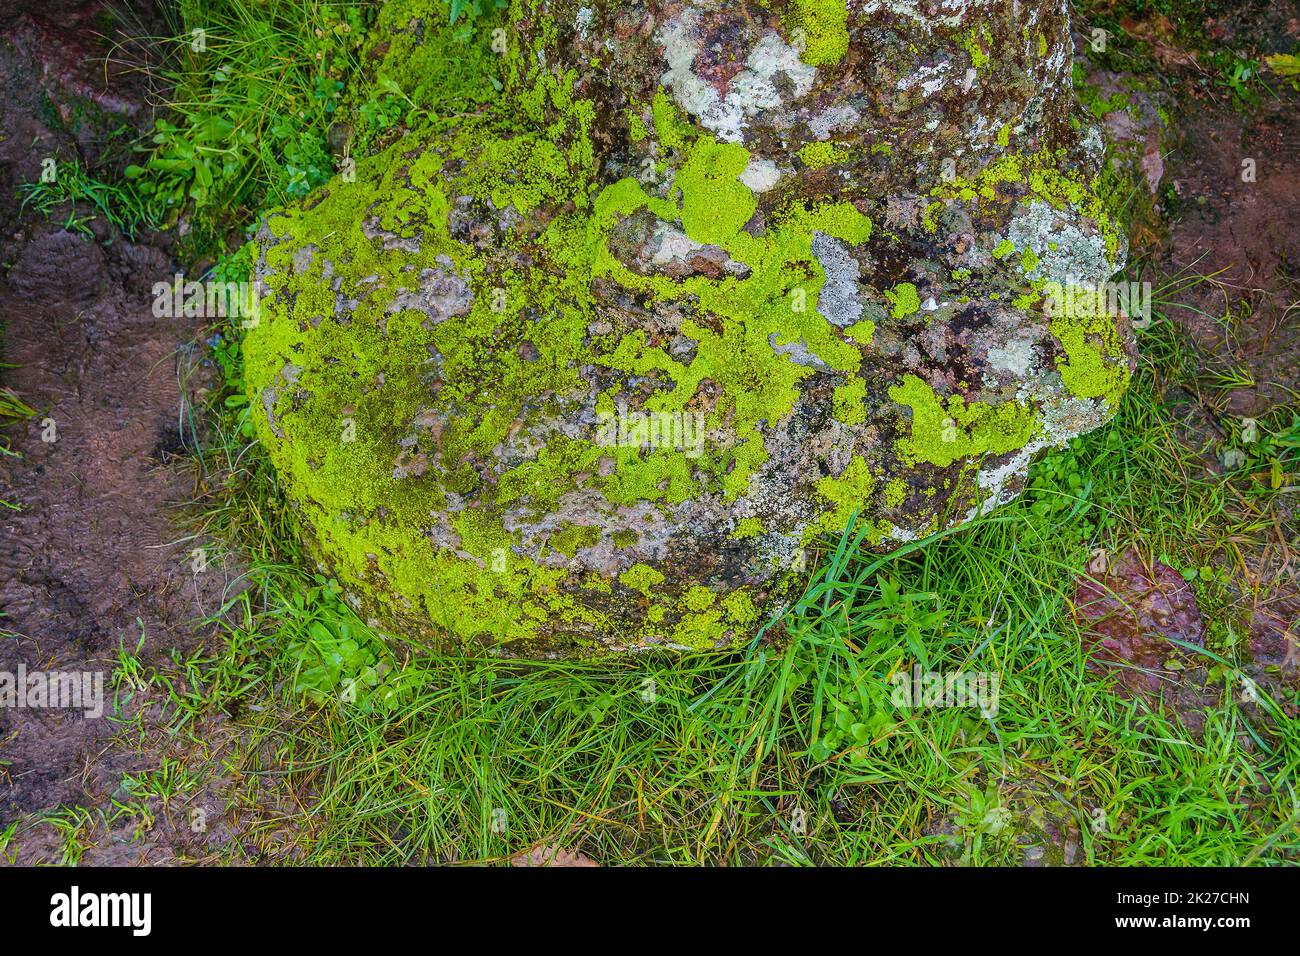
x=592, y=370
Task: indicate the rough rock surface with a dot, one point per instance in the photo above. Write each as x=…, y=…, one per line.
x=589, y=371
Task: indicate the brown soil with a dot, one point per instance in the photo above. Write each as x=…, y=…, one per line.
x=1244, y=318
x=91, y=560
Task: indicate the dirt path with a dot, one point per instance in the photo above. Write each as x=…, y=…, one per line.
x=89, y=559
x=1245, y=321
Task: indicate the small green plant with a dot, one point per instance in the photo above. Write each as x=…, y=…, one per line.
x=472, y=10
x=1241, y=75
x=337, y=658
x=73, y=824
x=982, y=818
x=1286, y=66
x=6, y=838
x=12, y=409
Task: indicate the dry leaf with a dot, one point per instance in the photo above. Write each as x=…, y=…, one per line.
x=551, y=856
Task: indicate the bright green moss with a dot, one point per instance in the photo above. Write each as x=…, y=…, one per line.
x=672, y=131
x=1003, y=249
x=861, y=332
x=747, y=528
x=698, y=598
x=715, y=203
x=895, y=492
x=817, y=154
x=642, y=577
x=974, y=43
x=664, y=474
x=738, y=609
x=823, y=26
x=847, y=494
x=928, y=222
x=903, y=300
x=366, y=378
x=636, y=127
x=1095, y=365
x=522, y=171
x=418, y=58
x=542, y=480
x=848, y=403
x=698, y=631
x=942, y=433
x=571, y=537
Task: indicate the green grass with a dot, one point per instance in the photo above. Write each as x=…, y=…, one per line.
x=13, y=411
x=253, y=87
x=72, y=184
x=253, y=93
x=367, y=749
x=264, y=102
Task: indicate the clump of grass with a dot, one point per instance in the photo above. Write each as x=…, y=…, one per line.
x=72, y=184
x=12, y=410
x=266, y=99
x=254, y=90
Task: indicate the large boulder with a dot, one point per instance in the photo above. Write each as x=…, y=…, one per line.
x=590, y=371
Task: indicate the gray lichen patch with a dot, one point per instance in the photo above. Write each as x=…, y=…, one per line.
x=838, y=300
x=1065, y=253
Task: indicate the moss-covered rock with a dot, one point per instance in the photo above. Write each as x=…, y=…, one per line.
x=589, y=371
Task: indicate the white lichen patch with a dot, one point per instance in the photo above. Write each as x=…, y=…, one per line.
x=669, y=246
x=834, y=118
x=997, y=482
x=798, y=352
x=670, y=243
x=1015, y=358
x=440, y=293
x=760, y=175
x=751, y=92
x=931, y=79
x=1065, y=253
x=948, y=13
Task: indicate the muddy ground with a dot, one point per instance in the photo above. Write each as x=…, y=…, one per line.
x=95, y=556
x=91, y=557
